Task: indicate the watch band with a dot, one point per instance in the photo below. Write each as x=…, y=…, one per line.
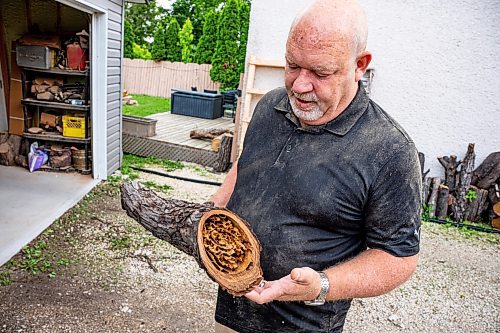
x=325, y=286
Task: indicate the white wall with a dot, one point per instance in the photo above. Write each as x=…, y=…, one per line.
x=437, y=68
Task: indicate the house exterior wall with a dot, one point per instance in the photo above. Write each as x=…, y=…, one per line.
x=436, y=67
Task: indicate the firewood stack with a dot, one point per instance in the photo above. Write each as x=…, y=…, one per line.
x=48, y=89
x=465, y=194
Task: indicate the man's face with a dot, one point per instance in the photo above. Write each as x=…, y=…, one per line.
x=319, y=76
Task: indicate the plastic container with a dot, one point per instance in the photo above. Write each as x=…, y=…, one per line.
x=197, y=104
x=73, y=126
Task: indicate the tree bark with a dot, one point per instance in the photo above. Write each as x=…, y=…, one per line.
x=442, y=202
x=436, y=181
x=426, y=184
x=475, y=206
x=175, y=221
x=464, y=179
x=224, y=154
x=421, y=158
x=450, y=165
x=488, y=173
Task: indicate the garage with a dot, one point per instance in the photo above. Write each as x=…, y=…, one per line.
x=60, y=98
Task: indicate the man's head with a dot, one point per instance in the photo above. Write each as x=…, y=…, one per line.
x=325, y=58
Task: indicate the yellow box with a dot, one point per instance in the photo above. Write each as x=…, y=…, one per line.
x=73, y=126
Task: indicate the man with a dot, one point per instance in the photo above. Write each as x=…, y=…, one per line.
x=328, y=181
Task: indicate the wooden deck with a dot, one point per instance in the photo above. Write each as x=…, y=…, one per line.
x=174, y=128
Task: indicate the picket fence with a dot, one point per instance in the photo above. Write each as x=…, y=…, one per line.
x=158, y=78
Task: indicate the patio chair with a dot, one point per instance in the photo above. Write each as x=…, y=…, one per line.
x=230, y=101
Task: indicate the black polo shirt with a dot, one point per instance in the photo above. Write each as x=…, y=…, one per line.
x=318, y=195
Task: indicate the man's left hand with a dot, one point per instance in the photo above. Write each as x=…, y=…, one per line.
x=302, y=284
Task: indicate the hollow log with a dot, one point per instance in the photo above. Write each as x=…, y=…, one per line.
x=442, y=202
x=450, y=165
x=221, y=243
x=432, y=202
x=208, y=134
x=488, y=173
x=464, y=180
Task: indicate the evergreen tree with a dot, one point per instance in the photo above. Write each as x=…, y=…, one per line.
x=128, y=41
x=173, y=50
x=244, y=23
x=205, y=48
x=225, y=67
x=158, y=51
x=186, y=40
x=142, y=20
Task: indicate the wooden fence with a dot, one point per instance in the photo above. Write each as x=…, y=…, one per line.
x=158, y=78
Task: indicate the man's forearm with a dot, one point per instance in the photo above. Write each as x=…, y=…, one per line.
x=371, y=273
x=223, y=194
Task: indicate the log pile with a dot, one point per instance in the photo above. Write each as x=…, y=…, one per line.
x=48, y=89
x=465, y=193
x=10, y=147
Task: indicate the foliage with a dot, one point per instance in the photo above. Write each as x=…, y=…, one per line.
x=205, y=48
x=153, y=185
x=225, y=68
x=128, y=40
x=140, y=52
x=158, y=48
x=141, y=162
x=147, y=105
x=196, y=11
x=471, y=195
x=186, y=40
x=142, y=19
x=244, y=24
x=5, y=279
x=173, y=49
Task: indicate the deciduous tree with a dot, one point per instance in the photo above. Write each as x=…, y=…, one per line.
x=186, y=40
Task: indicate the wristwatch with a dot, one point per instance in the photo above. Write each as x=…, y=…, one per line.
x=325, y=286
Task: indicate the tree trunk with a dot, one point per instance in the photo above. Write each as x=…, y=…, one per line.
x=450, y=165
x=432, y=202
x=442, y=202
x=475, y=206
x=224, y=154
x=421, y=158
x=488, y=172
x=464, y=179
x=175, y=221
x=221, y=242
x=426, y=184
x=209, y=134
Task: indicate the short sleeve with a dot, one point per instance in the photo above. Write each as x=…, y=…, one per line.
x=392, y=214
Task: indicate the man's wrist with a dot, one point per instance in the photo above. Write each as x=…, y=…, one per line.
x=325, y=287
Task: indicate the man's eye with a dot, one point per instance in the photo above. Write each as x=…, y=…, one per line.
x=321, y=75
x=292, y=66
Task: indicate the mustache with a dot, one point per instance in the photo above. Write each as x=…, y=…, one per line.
x=308, y=97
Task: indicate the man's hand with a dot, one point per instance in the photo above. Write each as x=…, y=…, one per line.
x=302, y=284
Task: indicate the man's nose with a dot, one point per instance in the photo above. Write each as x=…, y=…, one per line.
x=302, y=83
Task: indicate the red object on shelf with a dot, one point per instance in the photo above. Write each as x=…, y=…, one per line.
x=76, y=57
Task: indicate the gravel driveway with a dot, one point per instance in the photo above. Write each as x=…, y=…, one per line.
x=118, y=278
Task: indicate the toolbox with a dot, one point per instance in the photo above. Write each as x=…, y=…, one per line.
x=34, y=56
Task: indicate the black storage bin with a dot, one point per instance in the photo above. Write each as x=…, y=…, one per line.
x=197, y=104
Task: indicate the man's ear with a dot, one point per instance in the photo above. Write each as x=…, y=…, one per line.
x=362, y=62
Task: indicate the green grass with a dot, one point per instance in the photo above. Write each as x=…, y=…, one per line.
x=148, y=105
x=142, y=162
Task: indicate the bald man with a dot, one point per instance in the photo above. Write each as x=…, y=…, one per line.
x=329, y=182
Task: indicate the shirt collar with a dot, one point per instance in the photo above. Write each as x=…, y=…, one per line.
x=339, y=126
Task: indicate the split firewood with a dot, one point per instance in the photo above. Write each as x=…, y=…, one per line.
x=450, y=165
x=488, y=173
x=220, y=241
x=426, y=184
x=10, y=146
x=476, y=204
x=224, y=154
x=35, y=130
x=464, y=181
x=209, y=134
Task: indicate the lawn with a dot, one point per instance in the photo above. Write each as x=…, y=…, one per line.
x=147, y=106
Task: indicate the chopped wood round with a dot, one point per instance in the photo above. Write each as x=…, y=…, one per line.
x=495, y=223
x=229, y=251
x=496, y=208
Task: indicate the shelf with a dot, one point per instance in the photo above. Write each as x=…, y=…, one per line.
x=55, y=138
x=54, y=105
x=58, y=71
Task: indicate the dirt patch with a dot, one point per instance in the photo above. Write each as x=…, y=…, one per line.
x=122, y=279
